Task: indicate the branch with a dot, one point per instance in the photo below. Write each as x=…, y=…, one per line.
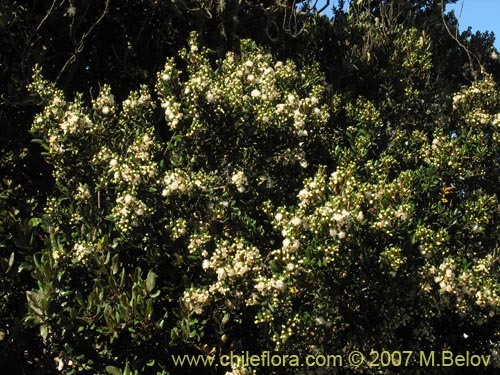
x=82, y=40
x=46, y=16
x=327, y=4
x=455, y=38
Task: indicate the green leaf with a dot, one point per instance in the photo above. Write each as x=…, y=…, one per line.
x=11, y=261
x=150, y=282
x=112, y=370
x=35, y=221
x=25, y=266
x=155, y=294
x=126, y=370
x=122, y=278
x=108, y=257
x=44, y=332
x=115, y=264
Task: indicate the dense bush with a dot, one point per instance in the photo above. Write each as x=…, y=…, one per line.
x=278, y=215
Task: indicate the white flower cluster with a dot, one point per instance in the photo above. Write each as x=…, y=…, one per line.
x=232, y=262
x=169, y=72
x=239, y=180
x=128, y=211
x=478, y=90
x=137, y=103
x=487, y=289
x=167, y=85
x=313, y=190
x=177, y=228
x=195, y=300
x=179, y=182
x=269, y=286
x=291, y=227
x=121, y=171
x=197, y=245
x=105, y=102
x=446, y=276
x=62, y=361
x=172, y=110
x=82, y=250
x=55, y=111
x=336, y=214
x=54, y=143
x=142, y=149
x=430, y=242
x=82, y=192
x=75, y=121
x=135, y=166
x=255, y=93
x=488, y=297
x=467, y=285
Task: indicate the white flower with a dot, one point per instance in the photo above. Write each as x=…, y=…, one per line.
x=260, y=286
x=71, y=12
x=255, y=93
x=60, y=363
x=341, y=235
x=220, y=272
x=239, y=180
x=128, y=199
x=320, y=321
x=279, y=284
x=206, y=264
x=249, y=63
x=337, y=217
x=296, y=221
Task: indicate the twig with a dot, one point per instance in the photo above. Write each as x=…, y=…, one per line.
x=46, y=16
x=324, y=6
x=82, y=40
x=455, y=38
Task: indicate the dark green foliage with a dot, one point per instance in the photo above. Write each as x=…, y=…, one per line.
x=410, y=131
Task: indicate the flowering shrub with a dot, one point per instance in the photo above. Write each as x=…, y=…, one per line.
x=279, y=215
